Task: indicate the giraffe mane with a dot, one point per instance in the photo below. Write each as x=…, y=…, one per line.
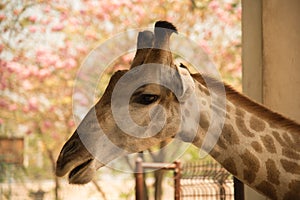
x=248, y=104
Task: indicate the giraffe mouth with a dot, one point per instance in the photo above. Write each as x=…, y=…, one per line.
x=82, y=173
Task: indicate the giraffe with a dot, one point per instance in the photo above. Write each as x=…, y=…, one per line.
x=258, y=146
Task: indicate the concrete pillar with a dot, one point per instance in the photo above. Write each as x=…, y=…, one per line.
x=281, y=56
x=271, y=57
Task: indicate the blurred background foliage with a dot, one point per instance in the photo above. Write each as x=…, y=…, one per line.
x=43, y=43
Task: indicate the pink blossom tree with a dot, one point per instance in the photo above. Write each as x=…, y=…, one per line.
x=43, y=43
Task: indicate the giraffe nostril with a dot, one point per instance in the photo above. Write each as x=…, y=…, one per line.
x=70, y=148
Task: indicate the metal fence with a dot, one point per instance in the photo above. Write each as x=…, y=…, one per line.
x=192, y=180
x=205, y=180
x=139, y=179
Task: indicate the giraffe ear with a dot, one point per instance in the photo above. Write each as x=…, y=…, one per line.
x=187, y=84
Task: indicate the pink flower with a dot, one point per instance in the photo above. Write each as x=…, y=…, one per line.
x=81, y=49
x=47, y=9
x=228, y=6
x=214, y=5
x=70, y=63
x=14, y=67
x=90, y=35
x=46, y=58
x=24, y=73
x=3, y=103
x=239, y=13
x=205, y=47
x=33, y=70
x=32, y=29
x=59, y=64
x=45, y=21
x=71, y=123
x=47, y=124
x=27, y=85
x=41, y=52
x=3, y=84
x=26, y=109
x=51, y=109
x=33, y=104
x=12, y=107
x=16, y=11
x=28, y=132
x=58, y=27
x=43, y=73
x=32, y=18
x=2, y=17
x=55, y=136
x=222, y=15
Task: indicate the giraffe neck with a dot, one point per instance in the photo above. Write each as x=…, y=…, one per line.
x=260, y=152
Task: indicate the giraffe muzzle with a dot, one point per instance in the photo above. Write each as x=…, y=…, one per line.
x=75, y=159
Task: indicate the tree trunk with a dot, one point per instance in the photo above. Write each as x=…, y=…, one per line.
x=99, y=189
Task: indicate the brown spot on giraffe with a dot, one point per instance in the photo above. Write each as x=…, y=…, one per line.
x=221, y=143
x=287, y=138
x=242, y=127
x=252, y=165
x=256, y=146
x=240, y=114
x=278, y=138
x=272, y=172
x=269, y=144
x=215, y=153
x=204, y=121
x=268, y=189
x=249, y=175
x=294, y=186
x=296, y=140
x=230, y=135
x=290, y=153
x=229, y=164
x=290, y=166
x=293, y=140
x=256, y=124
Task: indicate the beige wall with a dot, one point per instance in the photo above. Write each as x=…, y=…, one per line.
x=281, y=56
x=271, y=57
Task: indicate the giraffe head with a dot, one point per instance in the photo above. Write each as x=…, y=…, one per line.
x=140, y=108
x=120, y=123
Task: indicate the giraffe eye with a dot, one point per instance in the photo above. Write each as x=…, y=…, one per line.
x=146, y=99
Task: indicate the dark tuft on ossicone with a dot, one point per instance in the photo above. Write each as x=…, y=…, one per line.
x=166, y=25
